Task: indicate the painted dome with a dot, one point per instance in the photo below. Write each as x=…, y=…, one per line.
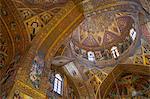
x=105, y=38
x=102, y=31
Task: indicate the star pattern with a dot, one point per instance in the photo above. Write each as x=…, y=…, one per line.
x=98, y=31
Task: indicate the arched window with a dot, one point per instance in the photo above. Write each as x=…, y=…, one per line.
x=132, y=34
x=115, y=52
x=91, y=56
x=58, y=84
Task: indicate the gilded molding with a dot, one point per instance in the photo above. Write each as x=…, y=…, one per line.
x=26, y=89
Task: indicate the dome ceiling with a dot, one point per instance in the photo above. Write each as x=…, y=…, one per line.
x=101, y=31
x=108, y=32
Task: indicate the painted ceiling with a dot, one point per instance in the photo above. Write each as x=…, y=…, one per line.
x=95, y=32
x=131, y=85
x=101, y=30
x=35, y=14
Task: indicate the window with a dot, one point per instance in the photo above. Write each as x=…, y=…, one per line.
x=132, y=34
x=58, y=84
x=91, y=56
x=115, y=52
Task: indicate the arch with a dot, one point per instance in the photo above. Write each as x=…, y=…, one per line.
x=19, y=40
x=133, y=34
x=46, y=42
x=91, y=56
x=58, y=77
x=58, y=83
x=113, y=77
x=115, y=52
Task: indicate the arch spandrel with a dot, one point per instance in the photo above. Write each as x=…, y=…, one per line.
x=17, y=43
x=41, y=42
x=36, y=14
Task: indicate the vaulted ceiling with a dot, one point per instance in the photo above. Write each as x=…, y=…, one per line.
x=44, y=27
